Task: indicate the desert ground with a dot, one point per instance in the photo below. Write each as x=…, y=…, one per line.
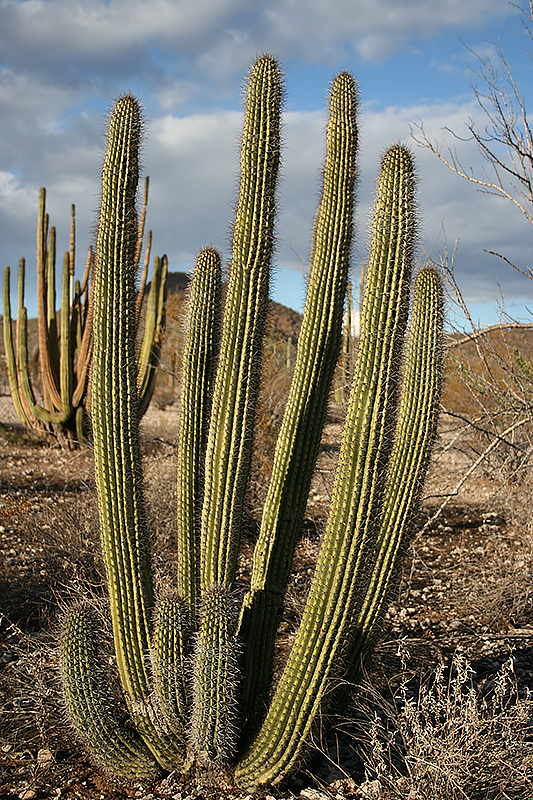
x=463, y=607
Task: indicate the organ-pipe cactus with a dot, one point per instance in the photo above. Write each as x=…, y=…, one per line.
x=65, y=354
x=203, y=692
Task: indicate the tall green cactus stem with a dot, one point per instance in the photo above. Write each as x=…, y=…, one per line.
x=299, y=438
x=236, y=385
x=415, y=432
x=92, y=708
x=114, y=409
x=199, y=359
x=45, y=297
x=154, y=325
x=9, y=347
x=237, y=379
x=329, y=615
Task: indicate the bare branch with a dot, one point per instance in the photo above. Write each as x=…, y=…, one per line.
x=500, y=326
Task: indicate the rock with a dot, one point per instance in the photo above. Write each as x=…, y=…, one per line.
x=44, y=757
x=314, y=794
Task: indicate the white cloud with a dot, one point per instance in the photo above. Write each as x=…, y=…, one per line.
x=215, y=37
x=63, y=56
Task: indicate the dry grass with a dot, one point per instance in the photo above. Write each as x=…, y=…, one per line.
x=443, y=741
x=466, y=583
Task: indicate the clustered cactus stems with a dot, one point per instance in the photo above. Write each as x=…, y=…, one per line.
x=195, y=668
x=65, y=353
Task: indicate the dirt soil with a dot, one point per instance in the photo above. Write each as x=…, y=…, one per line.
x=466, y=584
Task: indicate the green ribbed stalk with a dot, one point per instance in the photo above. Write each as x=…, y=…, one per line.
x=415, y=432
x=154, y=325
x=299, y=438
x=11, y=360
x=53, y=339
x=328, y=618
x=170, y=652
x=236, y=386
x=199, y=359
x=214, y=731
x=66, y=370
x=117, y=453
x=46, y=297
x=91, y=704
x=237, y=380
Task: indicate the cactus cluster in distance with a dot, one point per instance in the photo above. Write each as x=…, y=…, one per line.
x=64, y=352
x=195, y=666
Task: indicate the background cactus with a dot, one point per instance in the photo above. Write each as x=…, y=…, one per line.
x=64, y=354
x=384, y=456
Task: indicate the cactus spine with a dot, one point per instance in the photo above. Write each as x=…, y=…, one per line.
x=384, y=456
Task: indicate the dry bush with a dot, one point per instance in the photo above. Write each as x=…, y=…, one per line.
x=489, y=387
x=446, y=742
x=278, y=364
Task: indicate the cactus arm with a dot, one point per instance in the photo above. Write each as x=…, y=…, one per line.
x=142, y=222
x=138, y=250
x=216, y=686
x=91, y=705
x=72, y=251
x=143, y=365
x=236, y=384
x=114, y=405
x=414, y=436
x=157, y=339
x=65, y=367
x=170, y=654
x=10, y=349
x=144, y=278
x=87, y=271
x=199, y=356
x=301, y=429
x=53, y=339
x=77, y=316
x=328, y=616
x=235, y=393
x=51, y=396
x=154, y=324
x=85, y=349
x=19, y=333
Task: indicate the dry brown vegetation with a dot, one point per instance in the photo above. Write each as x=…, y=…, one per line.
x=446, y=712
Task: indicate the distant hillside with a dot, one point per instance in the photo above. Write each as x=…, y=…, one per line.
x=177, y=281
x=283, y=321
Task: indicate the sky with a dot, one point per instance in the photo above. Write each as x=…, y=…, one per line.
x=63, y=62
